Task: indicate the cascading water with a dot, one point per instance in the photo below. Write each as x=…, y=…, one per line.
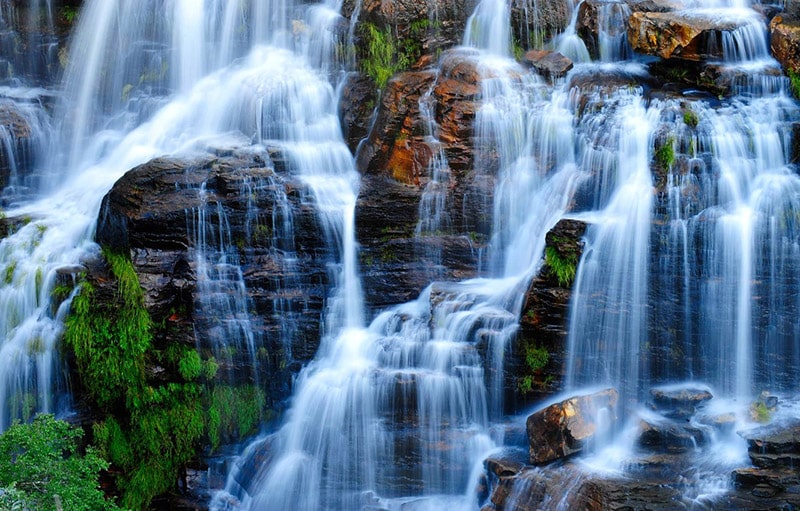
x=403, y=409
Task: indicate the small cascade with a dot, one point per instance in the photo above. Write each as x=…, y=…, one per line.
x=570, y=43
x=612, y=35
x=434, y=218
x=223, y=316
x=605, y=346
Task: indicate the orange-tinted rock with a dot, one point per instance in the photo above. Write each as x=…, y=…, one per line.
x=683, y=35
x=566, y=428
x=785, y=41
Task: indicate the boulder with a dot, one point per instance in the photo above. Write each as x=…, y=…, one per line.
x=609, y=17
x=667, y=436
x=679, y=402
x=686, y=35
x=568, y=427
x=152, y=212
x=785, y=41
x=550, y=64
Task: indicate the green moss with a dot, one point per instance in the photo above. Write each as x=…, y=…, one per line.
x=665, y=153
x=536, y=359
x=8, y=275
x=562, y=266
x=794, y=78
x=234, y=412
x=150, y=429
x=382, y=53
x=690, y=118
x=760, y=412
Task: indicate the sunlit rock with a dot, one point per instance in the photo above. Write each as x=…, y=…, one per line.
x=684, y=35
x=785, y=41
x=548, y=63
x=569, y=427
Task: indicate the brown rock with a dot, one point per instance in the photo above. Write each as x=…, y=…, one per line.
x=682, y=35
x=548, y=63
x=775, y=445
x=567, y=427
x=679, y=403
x=785, y=41
x=396, y=146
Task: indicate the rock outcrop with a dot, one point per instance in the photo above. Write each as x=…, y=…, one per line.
x=154, y=212
x=568, y=427
x=785, y=41
x=683, y=35
x=543, y=323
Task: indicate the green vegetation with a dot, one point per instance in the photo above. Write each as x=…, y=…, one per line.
x=41, y=468
x=536, y=359
x=562, y=266
x=794, y=77
x=150, y=428
x=760, y=412
x=69, y=13
x=690, y=118
x=665, y=153
x=385, y=54
x=234, y=412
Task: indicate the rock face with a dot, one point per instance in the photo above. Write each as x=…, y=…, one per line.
x=15, y=133
x=153, y=212
x=406, y=239
x=682, y=35
x=568, y=427
x=535, y=22
x=543, y=323
x=785, y=41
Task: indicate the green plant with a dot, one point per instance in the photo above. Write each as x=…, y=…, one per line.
x=69, y=13
x=384, y=54
x=41, y=468
x=690, y=118
x=234, y=412
x=562, y=266
x=536, y=358
x=760, y=412
x=794, y=78
x=665, y=153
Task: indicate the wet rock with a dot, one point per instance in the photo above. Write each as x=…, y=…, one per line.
x=679, y=402
x=776, y=445
x=15, y=143
x=548, y=63
x=430, y=26
x=670, y=436
x=504, y=466
x=792, y=8
x=785, y=41
x=151, y=212
x=396, y=264
x=795, y=154
x=568, y=427
x=534, y=23
x=396, y=146
x=356, y=106
x=596, y=15
x=683, y=35
x=543, y=323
